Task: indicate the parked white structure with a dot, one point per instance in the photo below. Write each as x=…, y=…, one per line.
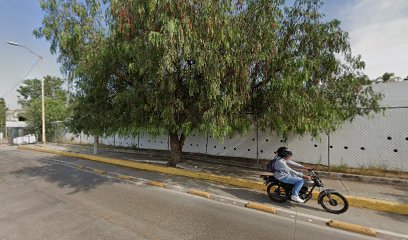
x=28, y=139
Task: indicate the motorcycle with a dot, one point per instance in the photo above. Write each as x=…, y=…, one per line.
x=330, y=199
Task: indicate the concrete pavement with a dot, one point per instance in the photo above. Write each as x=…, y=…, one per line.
x=41, y=199
x=374, y=191
x=381, y=220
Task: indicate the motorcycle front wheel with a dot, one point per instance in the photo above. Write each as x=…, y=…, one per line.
x=277, y=193
x=334, y=203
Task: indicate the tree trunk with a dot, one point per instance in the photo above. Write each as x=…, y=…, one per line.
x=96, y=141
x=176, y=147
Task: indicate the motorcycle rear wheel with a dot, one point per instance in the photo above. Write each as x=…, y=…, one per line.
x=277, y=193
x=337, y=200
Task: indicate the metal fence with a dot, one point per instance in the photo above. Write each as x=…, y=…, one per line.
x=380, y=141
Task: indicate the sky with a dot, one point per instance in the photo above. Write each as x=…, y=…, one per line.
x=378, y=31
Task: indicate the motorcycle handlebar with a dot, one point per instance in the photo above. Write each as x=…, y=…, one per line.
x=313, y=172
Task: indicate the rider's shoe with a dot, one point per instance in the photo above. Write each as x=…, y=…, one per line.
x=296, y=199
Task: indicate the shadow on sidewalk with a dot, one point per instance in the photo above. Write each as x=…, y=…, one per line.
x=64, y=176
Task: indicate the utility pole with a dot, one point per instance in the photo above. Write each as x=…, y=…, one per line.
x=42, y=87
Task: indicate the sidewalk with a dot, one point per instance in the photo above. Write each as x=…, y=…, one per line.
x=374, y=191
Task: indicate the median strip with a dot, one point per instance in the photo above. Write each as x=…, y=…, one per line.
x=351, y=227
x=261, y=207
x=355, y=201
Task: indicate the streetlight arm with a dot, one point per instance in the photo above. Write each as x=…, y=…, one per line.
x=31, y=51
x=20, y=45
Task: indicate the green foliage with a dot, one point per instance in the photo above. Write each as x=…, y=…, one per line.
x=387, y=77
x=180, y=66
x=56, y=110
x=340, y=168
x=31, y=89
x=55, y=102
x=2, y=113
x=309, y=82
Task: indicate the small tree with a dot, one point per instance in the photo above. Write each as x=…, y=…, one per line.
x=55, y=101
x=31, y=89
x=2, y=114
x=56, y=110
x=388, y=77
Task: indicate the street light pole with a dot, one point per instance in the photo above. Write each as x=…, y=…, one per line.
x=42, y=87
x=43, y=109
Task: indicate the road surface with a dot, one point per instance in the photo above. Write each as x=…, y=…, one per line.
x=43, y=199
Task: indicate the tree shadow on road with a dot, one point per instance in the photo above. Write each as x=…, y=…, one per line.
x=64, y=176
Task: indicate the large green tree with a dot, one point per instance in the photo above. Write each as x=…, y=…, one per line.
x=178, y=66
x=55, y=102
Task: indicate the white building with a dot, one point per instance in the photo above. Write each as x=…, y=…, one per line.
x=16, y=125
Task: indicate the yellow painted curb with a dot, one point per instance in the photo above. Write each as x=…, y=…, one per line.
x=157, y=184
x=352, y=227
x=125, y=177
x=101, y=171
x=199, y=193
x=360, y=202
x=261, y=207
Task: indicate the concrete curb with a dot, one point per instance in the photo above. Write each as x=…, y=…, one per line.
x=351, y=227
x=355, y=201
x=100, y=171
x=261, y=207
x=199, y=193
x=125, y=177
x=156, y=184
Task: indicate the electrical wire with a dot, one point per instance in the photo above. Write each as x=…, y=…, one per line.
x=24, y=78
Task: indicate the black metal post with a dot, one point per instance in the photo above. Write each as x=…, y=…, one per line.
x=257, y=143
x=206, y=145
x=328, y=150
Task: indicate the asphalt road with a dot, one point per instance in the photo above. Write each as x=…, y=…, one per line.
x=45, y=200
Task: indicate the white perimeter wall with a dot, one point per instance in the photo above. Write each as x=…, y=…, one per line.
x=380, y=141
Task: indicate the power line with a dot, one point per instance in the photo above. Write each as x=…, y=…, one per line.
x=19, y=82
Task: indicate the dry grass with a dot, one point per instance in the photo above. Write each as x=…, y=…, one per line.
x=369, y=171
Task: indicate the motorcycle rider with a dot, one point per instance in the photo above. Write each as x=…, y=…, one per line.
x=281, y=171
